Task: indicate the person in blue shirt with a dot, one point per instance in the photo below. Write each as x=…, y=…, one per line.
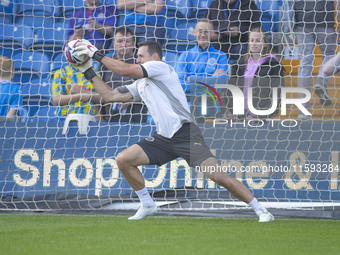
x=95, y=23
x=203, y=60
x=145, y=18
x=10, y=98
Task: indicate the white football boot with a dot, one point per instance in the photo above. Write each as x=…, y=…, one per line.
x=143, y=212
x=265, y=216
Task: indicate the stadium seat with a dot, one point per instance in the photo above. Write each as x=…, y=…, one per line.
x=270, y=14
x=8, y=10
x=36, y=93
x=170, y=58
x=8, y=51
x=15, y=36
x=177, y=11
x=50, y=39
x=58, y=62
x=23, y=114
x=14, y=39
x=67, y=7
x=30, y=65
x=47, y=114
x=37, y=88
x=36, y=8
x=182, y=38
x=32, y=21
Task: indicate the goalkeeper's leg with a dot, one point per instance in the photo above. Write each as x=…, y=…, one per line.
x=236, y=188
x=128, y=161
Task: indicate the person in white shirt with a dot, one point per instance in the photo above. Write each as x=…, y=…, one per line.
x=177, y=135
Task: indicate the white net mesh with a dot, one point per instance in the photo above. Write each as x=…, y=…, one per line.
x=286, y=161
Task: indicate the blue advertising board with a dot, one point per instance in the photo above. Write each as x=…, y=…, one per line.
x=280, y=162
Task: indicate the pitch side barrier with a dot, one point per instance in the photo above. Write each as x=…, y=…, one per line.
x=298, y=163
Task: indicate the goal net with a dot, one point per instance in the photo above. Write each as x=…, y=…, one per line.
x=50, y=162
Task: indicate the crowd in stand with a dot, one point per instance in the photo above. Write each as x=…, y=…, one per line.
x=228, y=35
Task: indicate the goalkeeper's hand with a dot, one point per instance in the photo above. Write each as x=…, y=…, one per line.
x=83, y=67
x=84, y=47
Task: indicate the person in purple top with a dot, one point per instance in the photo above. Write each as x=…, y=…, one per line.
x=94, y=22
x=261, y=71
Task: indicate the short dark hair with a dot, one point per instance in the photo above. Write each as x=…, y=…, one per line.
x=125, y=31
x=153, y=47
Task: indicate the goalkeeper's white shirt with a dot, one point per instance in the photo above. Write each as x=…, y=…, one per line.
x=162, y=93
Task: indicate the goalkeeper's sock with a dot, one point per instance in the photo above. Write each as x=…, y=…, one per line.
x=145, y=197
x=257, y=207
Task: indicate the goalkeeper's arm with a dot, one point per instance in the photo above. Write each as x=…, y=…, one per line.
x=120, y=94
x=123, y=69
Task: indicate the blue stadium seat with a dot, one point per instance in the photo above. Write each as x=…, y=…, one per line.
x=30, y=65
x=47, y=114
x=14, y=39
x=16, y=36
x=177, y=11
x=8, y=51
x=8, y=10
x=36, y=93
x=67, y=7
x=33, y=21
x=170, y=58
x=50, y=39
x=36, y=8
x=23, y=114
x=58, y=62
x=270, y=14
x=182, y=38
x=38, y=88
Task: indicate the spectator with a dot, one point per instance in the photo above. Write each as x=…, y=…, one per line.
x=261, y=71
x=10, y=98
x=201, y=61
x=315, y=23
x=144, y=19
x=74, y=93
x=233, y=19
x=124, y=44
x=95, y=23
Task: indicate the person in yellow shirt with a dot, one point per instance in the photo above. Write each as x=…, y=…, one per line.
x=74, y=94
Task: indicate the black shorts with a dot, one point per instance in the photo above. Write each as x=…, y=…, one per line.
x=187, y=143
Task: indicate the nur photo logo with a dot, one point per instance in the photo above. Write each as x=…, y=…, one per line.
x=240, y=104
x=204, y=98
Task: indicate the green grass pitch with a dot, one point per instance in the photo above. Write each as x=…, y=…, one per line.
x=88, y=234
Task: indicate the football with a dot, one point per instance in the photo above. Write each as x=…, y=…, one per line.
x=70, y=56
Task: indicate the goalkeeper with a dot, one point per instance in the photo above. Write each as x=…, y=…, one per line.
x=177, y=135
